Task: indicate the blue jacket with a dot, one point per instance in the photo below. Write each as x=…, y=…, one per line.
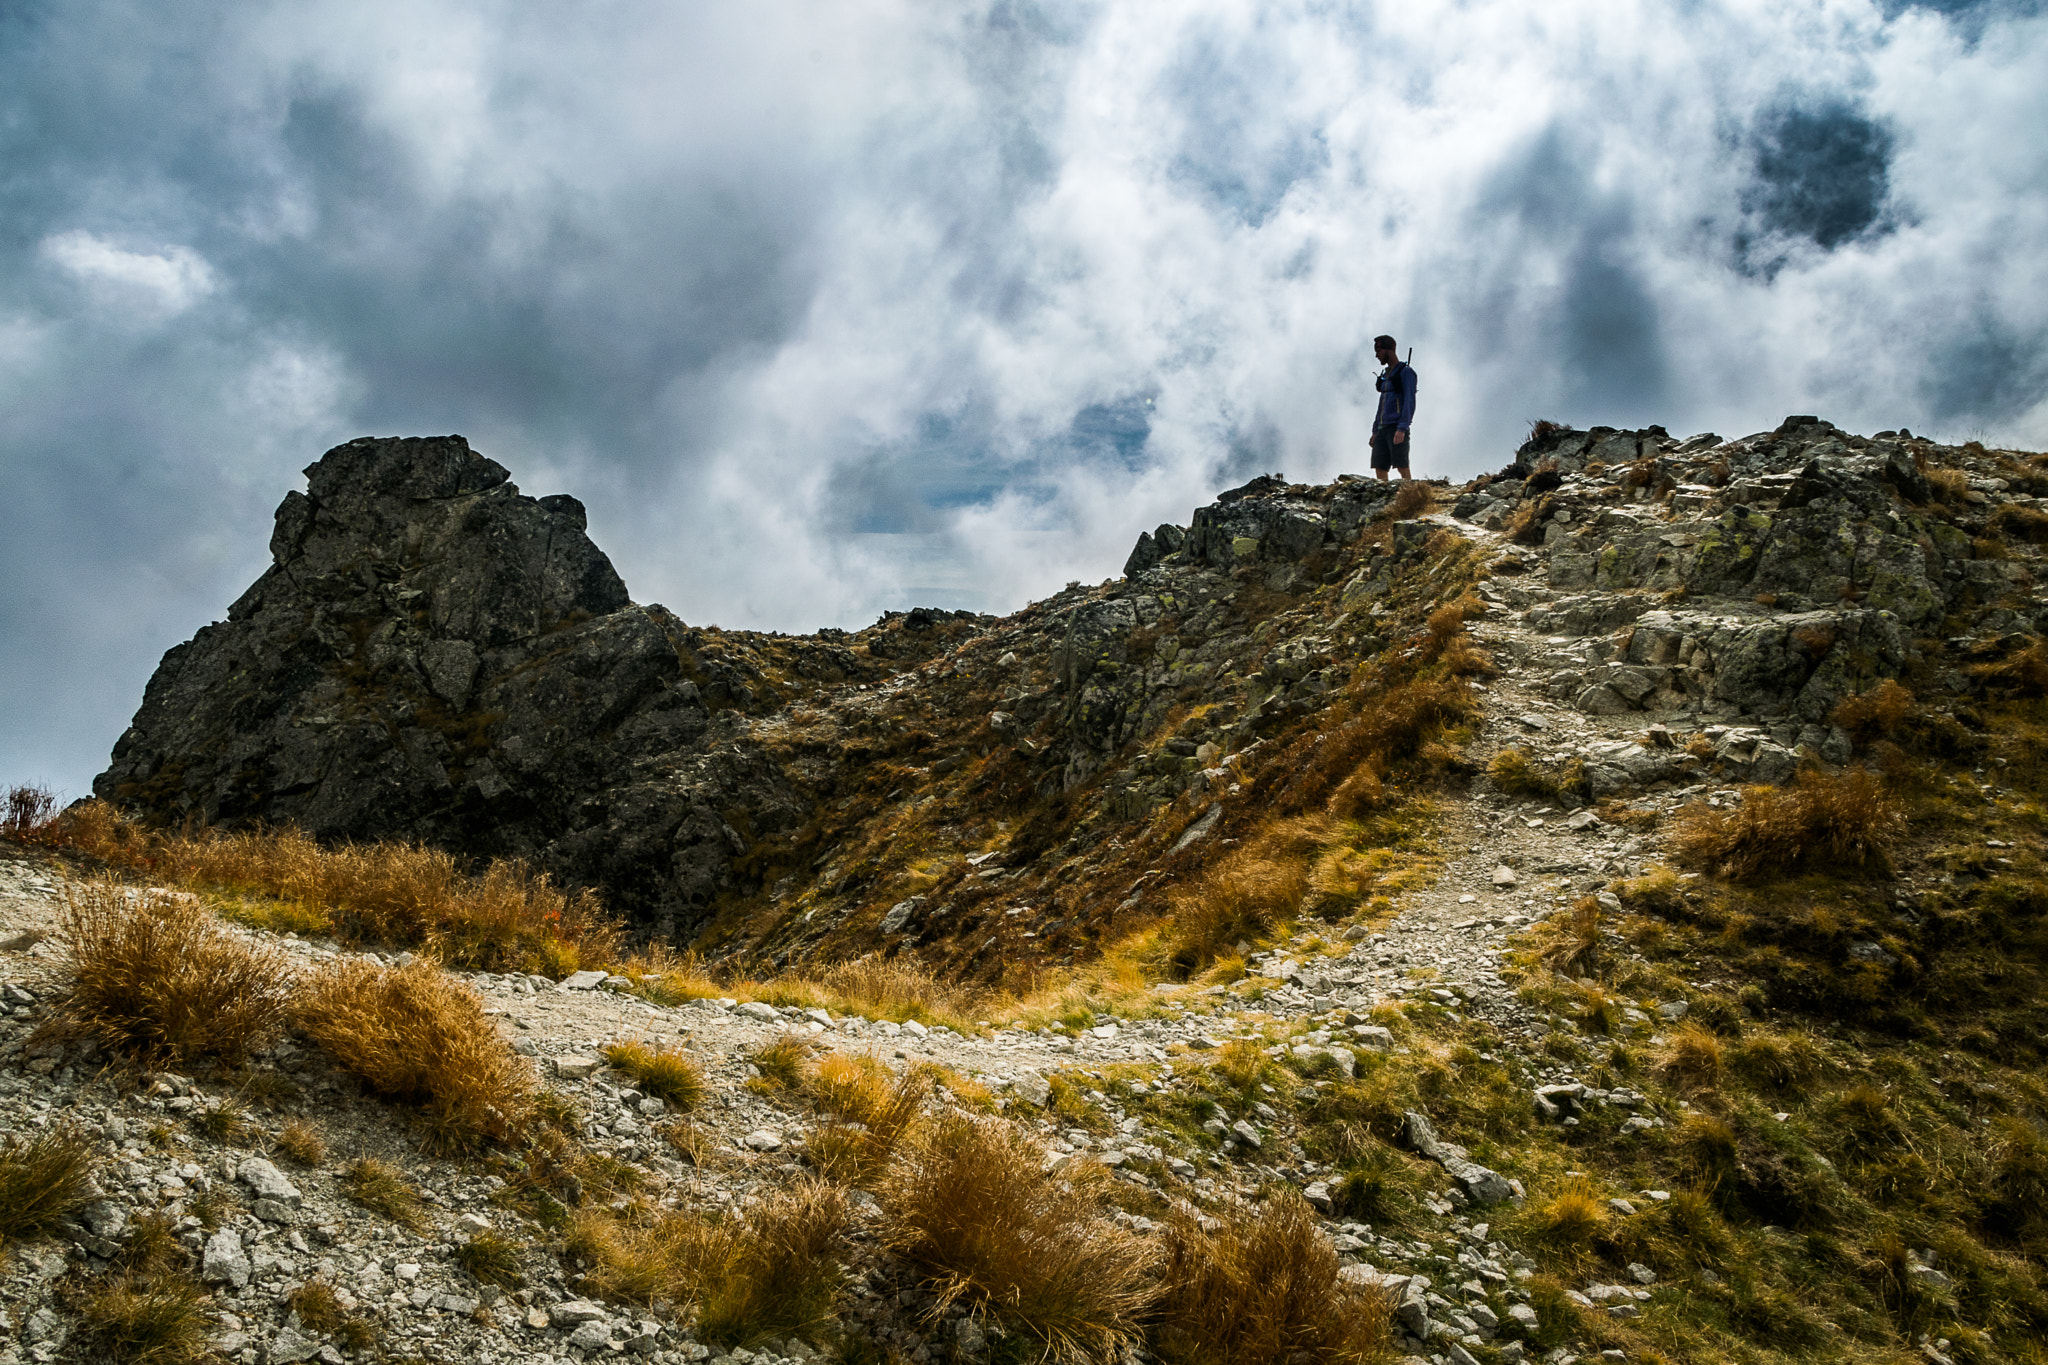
x=1396, y=384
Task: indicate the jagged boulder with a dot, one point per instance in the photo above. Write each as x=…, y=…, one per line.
x=434, y=655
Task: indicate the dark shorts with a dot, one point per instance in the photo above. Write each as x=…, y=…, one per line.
x=1387, y=455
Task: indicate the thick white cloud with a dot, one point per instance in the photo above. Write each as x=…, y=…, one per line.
x=154, y=285
x=830, y=307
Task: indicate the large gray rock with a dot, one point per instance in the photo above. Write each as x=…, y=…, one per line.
x=433, y=655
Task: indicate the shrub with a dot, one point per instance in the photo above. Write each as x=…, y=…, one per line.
x=381, y=1189
x=766, y=1273
x=157, y=978
x=416, y=1035
x=1262, y=1287
x=28, y=809
x=44, y=1179
x=668, y=1073
x=1847, y=820
x=971, y=1207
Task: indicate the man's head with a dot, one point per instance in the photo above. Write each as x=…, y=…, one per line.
x=1383, y=347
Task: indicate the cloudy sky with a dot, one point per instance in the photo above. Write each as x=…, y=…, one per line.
x=826, y=307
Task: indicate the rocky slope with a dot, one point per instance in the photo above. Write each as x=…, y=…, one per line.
x=1667, y=620
x=435, y=656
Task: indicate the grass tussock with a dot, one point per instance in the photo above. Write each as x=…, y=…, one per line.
x=161, y=1318
x=44, y=1179
x=490, y=1257
x=2020, y=523
x=768, y=1272
x=2023, y=673
x=783, y=1059
x=1518, y=774
x=874, y=1111
x=1569, y=1223
x=1876, y=714
x=156, y=977
x=381, y=1189
x=1693, y=1060
x=301, y=1144
x=1410, y=500
x=971, y=1207
x=505, y=918
x=419, y=1037
x=1263, y=1287
x=1847, y=821
x=665, y=1072
x=1241, y=898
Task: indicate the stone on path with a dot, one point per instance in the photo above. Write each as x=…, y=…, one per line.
x=1504, y=877
x=582, y=981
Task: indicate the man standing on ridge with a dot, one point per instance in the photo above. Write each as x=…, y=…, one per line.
x=1396, y=384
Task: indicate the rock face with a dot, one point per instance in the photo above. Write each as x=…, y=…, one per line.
x=433, y=655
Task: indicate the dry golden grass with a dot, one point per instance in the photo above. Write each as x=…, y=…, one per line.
x=970, y=1206
x=163, y=1318
x=381, y=1189
x=1878, y=712
x=1569, y=1222
x=417, y=1036
x=300, y=1143
x=506, y=918
x=2023, y=673
x=1693, y=1060
x=1263, y=1287
x=1950, y=485
x=44, y=1179
x=2020, y=523
x=156, y=977
x=1411, y=499
x=1777, y=1063
x=1847, y=820
x=490, y=1257
x=666, y=1072
x=1571, y=943
x=1243, y=897
x=766, y=1272
x=783, y=1060
x=875, y=1110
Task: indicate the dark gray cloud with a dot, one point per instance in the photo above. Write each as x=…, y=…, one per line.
x=830, y=308
x=1822, y=172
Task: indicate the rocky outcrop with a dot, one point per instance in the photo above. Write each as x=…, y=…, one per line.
x=433, y=655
